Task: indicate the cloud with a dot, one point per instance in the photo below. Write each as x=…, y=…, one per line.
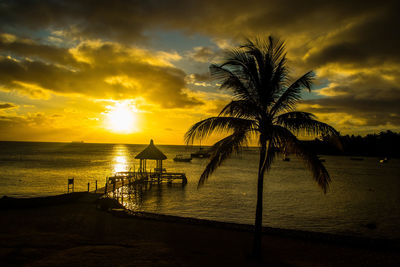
x=370, y=98
x=7, y=106
x=35, y=126
x=199, y=79
x=37, y=119
x=202, y=54
x=97, y=69
x=28, y=48
x=368, y=40
x=324, y=30
x=352, y=45
x=127, y=20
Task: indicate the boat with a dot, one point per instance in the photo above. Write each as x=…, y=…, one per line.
x=201, y=153
x=182, y=158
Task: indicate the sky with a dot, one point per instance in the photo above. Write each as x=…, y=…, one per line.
x=130, y=71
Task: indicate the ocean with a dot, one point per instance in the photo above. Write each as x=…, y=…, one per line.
x=363, y=193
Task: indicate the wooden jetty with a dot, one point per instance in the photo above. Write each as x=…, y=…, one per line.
x=142, y=176
x=122, y=184
x=120, y=179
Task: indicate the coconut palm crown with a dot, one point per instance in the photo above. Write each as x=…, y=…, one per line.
x=263, y=106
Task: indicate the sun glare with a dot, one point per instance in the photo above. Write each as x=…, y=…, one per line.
x=121, y=118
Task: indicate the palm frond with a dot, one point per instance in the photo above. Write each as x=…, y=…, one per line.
x=289, y=142
x=255, y=51
x=272, y=47
x=241, y=109
x=229, y=80
x=211, y=125
x=222, y=150
x=278, y=79
x=244, y=65
x=288, y=100
x=271, y=60
x=278, y=47
x=305, y=123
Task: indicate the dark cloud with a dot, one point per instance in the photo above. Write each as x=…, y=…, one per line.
x=369, y=40
x=342, y=30
x=127, y=20
x=369, y=97
x=7, y=106
x=121, y=20
x=28, y=48
x=374, y=113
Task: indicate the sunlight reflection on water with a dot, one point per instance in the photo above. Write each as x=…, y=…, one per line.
x=120, y=160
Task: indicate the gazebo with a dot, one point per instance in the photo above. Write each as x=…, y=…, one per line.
x=151, y=152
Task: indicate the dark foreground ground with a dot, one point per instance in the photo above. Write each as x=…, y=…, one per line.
x=74, y=230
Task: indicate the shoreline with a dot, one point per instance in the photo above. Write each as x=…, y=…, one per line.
x=74, y=228
x=120, y=211
x=385, y=243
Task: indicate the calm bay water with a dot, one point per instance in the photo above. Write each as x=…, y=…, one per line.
x=361, y=192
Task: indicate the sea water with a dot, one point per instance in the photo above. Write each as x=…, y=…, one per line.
x=362, y=193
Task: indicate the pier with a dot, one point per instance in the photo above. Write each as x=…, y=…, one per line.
x=131, y=185
x=121, y=179
x=142, y=177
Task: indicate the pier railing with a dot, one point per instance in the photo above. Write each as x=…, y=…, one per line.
x=121, y=179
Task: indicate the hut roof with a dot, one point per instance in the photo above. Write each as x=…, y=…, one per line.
x=151, y=152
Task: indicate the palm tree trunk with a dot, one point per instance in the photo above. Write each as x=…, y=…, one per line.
x=259, y=208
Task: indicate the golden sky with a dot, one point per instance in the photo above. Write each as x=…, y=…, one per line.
x=129, y=71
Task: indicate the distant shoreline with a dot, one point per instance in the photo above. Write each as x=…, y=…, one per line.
x=318, y=147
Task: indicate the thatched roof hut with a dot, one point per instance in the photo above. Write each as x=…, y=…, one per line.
x=151, y=152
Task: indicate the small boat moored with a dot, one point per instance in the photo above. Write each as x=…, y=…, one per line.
x=183, y=158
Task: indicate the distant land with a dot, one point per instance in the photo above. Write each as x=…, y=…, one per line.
x=385, y=144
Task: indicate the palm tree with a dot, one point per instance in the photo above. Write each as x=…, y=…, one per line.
x=263, y=106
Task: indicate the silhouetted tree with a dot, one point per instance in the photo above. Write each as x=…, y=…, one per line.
x=263, y=106
x=385, y=144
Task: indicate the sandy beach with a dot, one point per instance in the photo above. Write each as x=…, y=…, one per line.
x=79, y=230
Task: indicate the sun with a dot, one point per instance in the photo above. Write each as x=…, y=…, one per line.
x=121, y=118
